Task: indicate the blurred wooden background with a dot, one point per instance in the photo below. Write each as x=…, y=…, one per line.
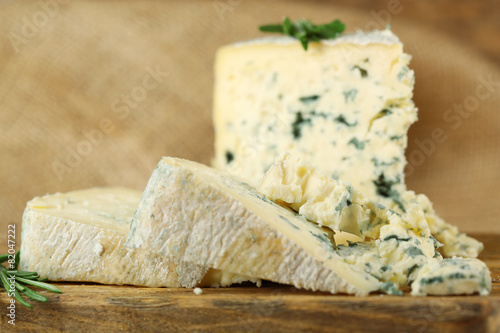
x=93, y=93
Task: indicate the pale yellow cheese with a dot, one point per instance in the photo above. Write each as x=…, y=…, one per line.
x=345, y=105
x=330, y=105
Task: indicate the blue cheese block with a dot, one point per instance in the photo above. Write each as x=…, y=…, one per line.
x=80, y=236
x=195, y=214
x=345, y=106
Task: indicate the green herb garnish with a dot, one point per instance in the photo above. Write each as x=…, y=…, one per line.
x=305, y=31
x=14, y=281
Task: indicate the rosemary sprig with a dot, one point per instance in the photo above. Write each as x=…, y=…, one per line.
x=305, y=31
x=20, y=279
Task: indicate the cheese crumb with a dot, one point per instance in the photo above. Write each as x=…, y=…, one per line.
x=98, y=249
x=198, y=291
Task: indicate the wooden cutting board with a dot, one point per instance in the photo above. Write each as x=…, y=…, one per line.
x=273, y=308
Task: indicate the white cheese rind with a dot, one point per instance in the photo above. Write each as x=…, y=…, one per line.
x=200, y=215
x=359, y=38
x=80, y=236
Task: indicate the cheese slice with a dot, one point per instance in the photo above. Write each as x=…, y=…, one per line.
x=345, y=106
x=80, y=236
x=401, y=244
x=199, y=215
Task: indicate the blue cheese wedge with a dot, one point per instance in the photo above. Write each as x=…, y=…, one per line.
x=80, y=236
x=399, y=246
x=195, y=214
x=345, y=106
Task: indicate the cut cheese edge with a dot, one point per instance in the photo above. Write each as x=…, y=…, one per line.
x=199, y=215
x=80, y=236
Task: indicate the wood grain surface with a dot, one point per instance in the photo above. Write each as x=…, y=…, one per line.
x=271, y=308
